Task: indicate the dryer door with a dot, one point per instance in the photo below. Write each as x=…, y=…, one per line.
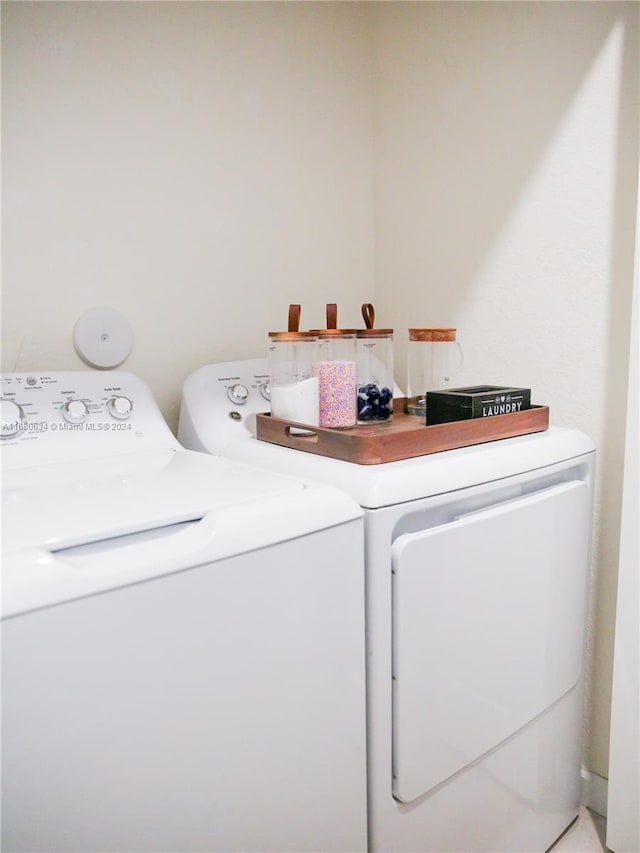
x=488, y=616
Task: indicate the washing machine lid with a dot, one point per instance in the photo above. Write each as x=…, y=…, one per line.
x=377, y=486
x=73, y=529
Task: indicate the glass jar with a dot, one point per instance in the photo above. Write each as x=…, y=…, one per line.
x=434, y=361
x=336, y=372
x=294, y=383
x=375, y=375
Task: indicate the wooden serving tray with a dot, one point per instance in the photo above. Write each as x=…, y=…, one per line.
x=405, y=437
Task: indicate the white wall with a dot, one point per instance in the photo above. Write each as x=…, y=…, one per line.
x=198, y=166
x=506, y=162
x=623, y=817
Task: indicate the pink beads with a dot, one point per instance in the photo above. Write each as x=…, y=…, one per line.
x=337, y=381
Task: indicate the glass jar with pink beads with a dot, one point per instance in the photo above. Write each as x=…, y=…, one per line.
x=336, y=372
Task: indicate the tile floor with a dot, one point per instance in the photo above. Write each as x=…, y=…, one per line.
x=587, y=835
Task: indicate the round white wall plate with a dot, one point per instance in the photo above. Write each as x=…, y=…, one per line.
x=103, y=338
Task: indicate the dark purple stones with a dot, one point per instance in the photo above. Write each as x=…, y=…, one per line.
x=374, y=404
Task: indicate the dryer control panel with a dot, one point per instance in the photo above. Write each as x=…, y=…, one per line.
x=60, y=416
x=220, y=402
x=226, y=397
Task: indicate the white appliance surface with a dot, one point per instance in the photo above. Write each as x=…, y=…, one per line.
x=210, y=421
x=183, y=663
x=436, y=590
x=476, y=566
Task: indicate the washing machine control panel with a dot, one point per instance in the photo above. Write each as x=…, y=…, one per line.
x=74, y=414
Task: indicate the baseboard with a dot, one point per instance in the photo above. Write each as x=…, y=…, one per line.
x=593, y=792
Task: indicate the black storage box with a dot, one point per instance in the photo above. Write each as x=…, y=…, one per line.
x=479, y=401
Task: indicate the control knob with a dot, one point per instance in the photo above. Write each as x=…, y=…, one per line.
x=12, y=417
x=120, y=408
x=238, y=394
x=265, y=390
x=75, y=411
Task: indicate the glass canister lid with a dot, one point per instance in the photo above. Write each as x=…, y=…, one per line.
x=328, y=334
x=332, y=322
x=432, y=333
x=368, y=315
x=292, y=334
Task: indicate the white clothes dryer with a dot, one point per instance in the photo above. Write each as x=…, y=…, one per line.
x=476, y=585
x=182, y=637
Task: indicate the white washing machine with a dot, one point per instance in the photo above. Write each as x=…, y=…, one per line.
x=476, y=585
x=182, y=637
